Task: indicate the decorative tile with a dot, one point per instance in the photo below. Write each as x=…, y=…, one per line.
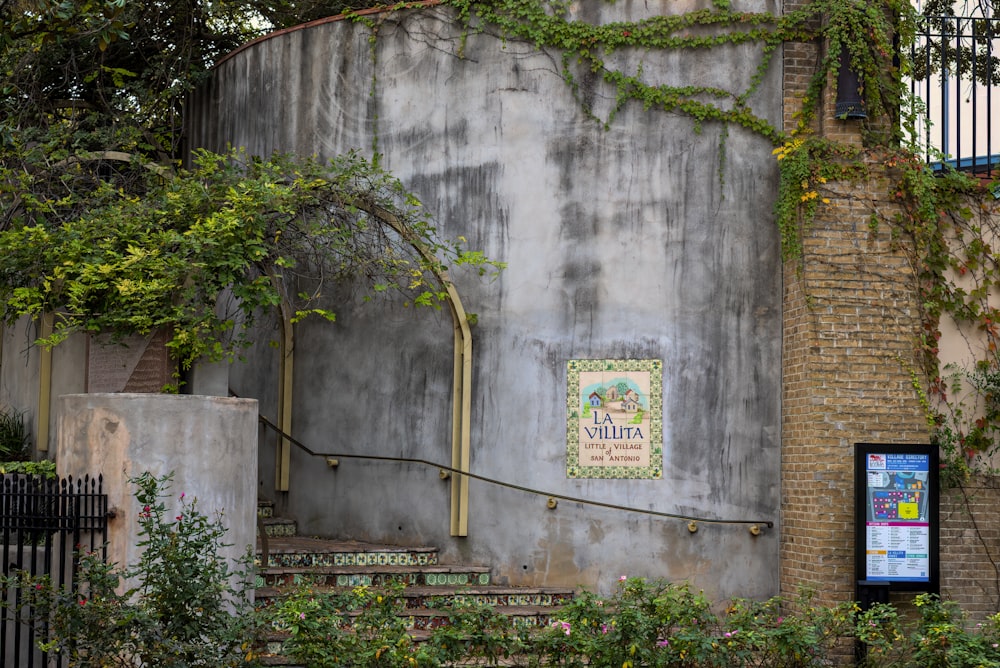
x=614, y=419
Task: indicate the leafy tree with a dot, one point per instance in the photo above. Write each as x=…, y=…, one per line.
x=276, y=233
x=100, y=226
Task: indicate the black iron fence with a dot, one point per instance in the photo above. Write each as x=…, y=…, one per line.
x=956, y=62
x=44, y=525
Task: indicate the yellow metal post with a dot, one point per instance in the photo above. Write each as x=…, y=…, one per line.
x=44, y=386
x=286, y=370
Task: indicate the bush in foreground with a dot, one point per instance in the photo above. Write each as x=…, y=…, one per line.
x=181, y=605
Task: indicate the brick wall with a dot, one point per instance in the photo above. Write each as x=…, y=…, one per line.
x=970, y=546
x=848, y=350
x=851, y=321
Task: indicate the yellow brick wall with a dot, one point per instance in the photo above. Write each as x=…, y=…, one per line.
x=850, y=322
x=850, y=326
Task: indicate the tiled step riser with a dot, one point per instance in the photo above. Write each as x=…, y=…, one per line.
x=414, y=579
x=340, y=565
x=419, y=625
x=429, y=623
x=401, y=558
x=280, y=528
x=431, y=601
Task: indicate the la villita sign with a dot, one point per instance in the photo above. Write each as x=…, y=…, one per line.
x=614, y=426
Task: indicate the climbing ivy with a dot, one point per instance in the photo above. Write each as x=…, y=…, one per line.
x=931, y=210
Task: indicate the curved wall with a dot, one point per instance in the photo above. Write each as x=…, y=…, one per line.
x=620, y=243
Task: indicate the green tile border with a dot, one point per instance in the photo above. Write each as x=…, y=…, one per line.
x=655, y=469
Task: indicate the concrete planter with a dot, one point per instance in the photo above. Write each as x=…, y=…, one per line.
x=209, y=444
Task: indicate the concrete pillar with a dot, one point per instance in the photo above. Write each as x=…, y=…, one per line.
x=208, y=443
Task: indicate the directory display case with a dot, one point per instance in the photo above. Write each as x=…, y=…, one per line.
x=896, y=516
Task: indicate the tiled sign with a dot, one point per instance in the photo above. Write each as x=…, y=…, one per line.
x=614, y=419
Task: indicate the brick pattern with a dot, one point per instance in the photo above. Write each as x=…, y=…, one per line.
x=970, y=547
x=851, y=319
x=848, y=345
x=800, y=61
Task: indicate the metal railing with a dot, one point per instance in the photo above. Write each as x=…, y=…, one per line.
x=955, y=62
x=521, y=488
x=44, y=525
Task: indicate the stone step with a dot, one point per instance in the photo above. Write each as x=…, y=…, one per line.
x=375, y=576
x=340, y=565
x=513, y=601
x=420, y=623
x=277, y=527
x=301, y=552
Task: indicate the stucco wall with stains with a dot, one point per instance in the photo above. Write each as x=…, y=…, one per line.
x=645, y=240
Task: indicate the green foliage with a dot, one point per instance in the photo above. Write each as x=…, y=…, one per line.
x=361, y=627
x=476, y=633
x=187, y=607
x=966, y=421
x=45, y=467
x=941, y=641
x=14, y=440
x=655, y=623
x=588, y=51
x=642, y=624
x=99, y=227
x=273, y=233
x=806, y=163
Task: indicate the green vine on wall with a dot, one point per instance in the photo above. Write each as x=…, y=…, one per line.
x=932, y=210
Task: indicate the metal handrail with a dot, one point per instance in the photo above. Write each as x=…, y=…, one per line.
x=552, y=495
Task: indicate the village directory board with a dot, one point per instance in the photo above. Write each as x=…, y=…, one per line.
x=896, y=516
x=614, y=419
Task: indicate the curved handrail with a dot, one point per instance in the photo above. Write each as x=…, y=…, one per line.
x=414, y=460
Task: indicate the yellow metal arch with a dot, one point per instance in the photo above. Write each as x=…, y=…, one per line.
x=461, y=377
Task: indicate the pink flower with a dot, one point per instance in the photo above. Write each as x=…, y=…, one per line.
x=663, y=643
x=622, y=578
x=604, y=629
x=182, y=495
x=565, y=626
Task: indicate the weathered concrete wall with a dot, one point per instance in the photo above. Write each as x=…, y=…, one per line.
x=208, y=444
x=20, y=378
x=620, y=243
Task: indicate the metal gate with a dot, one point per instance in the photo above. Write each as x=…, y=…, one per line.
x=44, y=524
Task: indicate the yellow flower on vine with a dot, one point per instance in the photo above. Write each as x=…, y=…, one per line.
x=787, y=148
